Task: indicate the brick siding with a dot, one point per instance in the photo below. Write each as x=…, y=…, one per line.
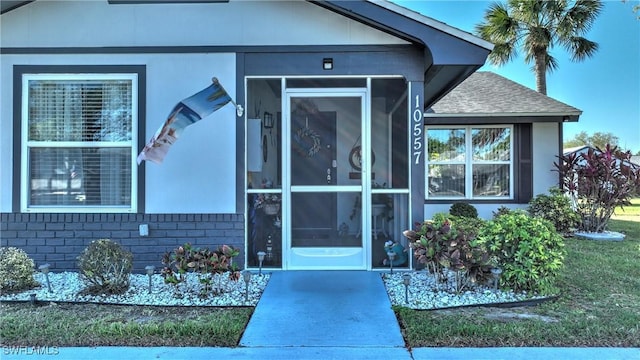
x=58, y=239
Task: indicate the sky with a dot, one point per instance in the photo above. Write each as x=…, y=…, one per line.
x=606, y=87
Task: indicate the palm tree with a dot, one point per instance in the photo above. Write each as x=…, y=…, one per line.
x=534, y=27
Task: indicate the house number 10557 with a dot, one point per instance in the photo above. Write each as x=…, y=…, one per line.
x=418, y=126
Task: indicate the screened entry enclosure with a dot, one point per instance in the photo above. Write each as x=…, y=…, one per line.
x=327, y=171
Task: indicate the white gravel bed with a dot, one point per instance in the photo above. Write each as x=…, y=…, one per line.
x=422, y=293
x=66, y=287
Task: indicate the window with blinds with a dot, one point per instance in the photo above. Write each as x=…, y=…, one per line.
x=79, y=142
x=469, y=162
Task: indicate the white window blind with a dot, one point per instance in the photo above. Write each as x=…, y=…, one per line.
x=79, y=142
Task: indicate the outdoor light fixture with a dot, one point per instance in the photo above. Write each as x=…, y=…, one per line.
x=261, y=255
x=406, y=279
x=392, y=256
x=32, y=299
x=327, y=64
x=150, y=269
x=44, y=268
x=246, y=275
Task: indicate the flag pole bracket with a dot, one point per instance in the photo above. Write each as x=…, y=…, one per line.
x=239, y=108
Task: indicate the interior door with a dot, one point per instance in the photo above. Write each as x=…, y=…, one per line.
x=324, y=203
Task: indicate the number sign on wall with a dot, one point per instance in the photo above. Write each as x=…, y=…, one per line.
x=418, y=130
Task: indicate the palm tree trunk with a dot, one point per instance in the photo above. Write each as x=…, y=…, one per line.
x=541, y=72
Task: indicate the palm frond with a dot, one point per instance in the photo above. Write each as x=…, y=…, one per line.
x=580, y=17
x=552, y=63
x=580, y=48
x=498, y=26
x=502, y=53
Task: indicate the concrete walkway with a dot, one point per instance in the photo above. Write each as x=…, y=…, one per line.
x=324, y=308
x=323, y=315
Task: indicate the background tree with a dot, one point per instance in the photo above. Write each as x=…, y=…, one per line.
x=635, y=8
x=580, y=139
x=535, y=27
x=598, y=139
x=598, y=182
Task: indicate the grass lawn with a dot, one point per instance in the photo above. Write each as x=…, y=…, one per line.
x=631, y=213
x=102, y=325
x=599, y=305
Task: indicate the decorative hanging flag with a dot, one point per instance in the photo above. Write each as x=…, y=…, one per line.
x=185, y=113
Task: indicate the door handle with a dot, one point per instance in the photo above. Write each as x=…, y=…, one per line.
x=328, y=175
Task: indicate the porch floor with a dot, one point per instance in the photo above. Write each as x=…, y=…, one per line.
x=323, y=308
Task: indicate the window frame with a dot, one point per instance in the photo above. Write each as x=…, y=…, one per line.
x=469, y=162
x=137, y=78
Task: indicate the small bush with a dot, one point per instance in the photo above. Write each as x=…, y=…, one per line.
x=469, y=226
x=105, y=267
x=463, y=209
x=555, y=207
x=502, y=210
x=16, y=270
x=528, y=249
x=449, y=242
x=207, y=264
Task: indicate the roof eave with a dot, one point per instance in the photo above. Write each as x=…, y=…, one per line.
x=8, y=5
x=451, y=55
x=504, y=117
x=470, y=38
x=568, y=116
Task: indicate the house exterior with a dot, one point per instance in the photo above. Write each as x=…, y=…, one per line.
x=488, y=108
x=349, y=131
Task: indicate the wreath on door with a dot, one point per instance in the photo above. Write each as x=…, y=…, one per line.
x=306, y=142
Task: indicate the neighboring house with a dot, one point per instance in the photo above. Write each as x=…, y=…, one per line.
x=326, y=163
x=583, y=149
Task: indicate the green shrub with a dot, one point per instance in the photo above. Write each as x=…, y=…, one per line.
x=105, y=267
x=449, y=242
x=16, y=270
x=555, y=207
x=528, y=249
x=463, y=209
x=469, y=226
x=502, y=210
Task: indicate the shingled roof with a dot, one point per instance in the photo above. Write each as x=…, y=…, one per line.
x=488, y=94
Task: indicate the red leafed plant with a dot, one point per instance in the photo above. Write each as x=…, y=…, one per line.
x=598, y=181
x=205, y=263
